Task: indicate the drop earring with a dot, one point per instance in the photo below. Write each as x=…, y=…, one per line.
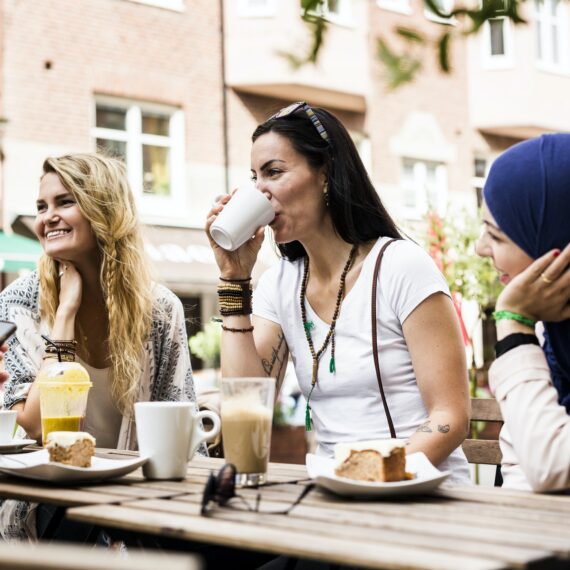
x=326, y=194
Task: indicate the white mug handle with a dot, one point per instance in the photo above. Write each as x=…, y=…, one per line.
x=199, y=435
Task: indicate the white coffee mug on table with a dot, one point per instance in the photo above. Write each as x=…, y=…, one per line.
x=248, y=210
x=7, y=425
x=169, y=434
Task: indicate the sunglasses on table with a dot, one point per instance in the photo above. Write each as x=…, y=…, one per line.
x=221, y=490
x=302, y=105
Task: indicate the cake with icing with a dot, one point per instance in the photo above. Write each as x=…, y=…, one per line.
x=378, y=461
x=71, y=447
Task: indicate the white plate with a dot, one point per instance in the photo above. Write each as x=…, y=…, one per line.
x=16, y=445
x=36, y=465
x=428, y=478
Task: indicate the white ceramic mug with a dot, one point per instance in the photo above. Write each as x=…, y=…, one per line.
x=169, y=434
x=7, y=425
x=248, y=210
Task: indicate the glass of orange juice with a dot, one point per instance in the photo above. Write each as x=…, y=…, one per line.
x=64, y=387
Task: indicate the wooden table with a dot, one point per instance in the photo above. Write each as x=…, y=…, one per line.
x=457, y=528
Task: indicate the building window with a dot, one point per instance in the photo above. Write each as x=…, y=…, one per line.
x=478, y=180
x=150, y=139
x=336, y=11
x=497, y=36
x=256, y=8
x=176, y=5
x=424, y=186
x=551, y=32
x=399, y=6
x=444, y=6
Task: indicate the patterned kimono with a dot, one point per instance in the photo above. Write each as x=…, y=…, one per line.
x=166, y=375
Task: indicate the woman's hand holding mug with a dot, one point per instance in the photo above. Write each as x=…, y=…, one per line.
x=249, y=214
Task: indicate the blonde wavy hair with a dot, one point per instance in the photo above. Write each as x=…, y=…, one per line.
x=100, y=187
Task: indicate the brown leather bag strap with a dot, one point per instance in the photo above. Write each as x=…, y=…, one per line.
x=375, y=335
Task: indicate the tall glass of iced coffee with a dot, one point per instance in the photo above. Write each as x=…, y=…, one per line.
x=247, y=414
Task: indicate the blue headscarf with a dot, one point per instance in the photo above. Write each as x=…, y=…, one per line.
x=528, y=193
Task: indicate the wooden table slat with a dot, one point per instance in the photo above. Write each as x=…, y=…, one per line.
x=279, y=541
x=345, y=528
x=485, y=530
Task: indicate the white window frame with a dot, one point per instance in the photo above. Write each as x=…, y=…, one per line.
x=148, y=204
x=174, y=5
x=398, y=6
x=420, y=169
x=547, y=21
x=498, y=61
x=448, y=5
x=246, y=10
x=343, y=18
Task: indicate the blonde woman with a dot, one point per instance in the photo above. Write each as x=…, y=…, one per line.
x=92, y=287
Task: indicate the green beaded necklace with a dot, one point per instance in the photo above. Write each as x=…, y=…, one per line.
x=309, y=325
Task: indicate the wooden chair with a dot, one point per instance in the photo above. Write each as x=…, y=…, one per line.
x=23, y=555
x=485, y=451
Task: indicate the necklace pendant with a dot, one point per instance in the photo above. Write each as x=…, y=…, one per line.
x=309, y=326
x=315, y=372
x=332, y=365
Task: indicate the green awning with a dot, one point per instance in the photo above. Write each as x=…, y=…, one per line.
x=17, y=252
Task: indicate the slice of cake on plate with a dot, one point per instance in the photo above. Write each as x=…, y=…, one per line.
x=71, y=447
x=378, y=461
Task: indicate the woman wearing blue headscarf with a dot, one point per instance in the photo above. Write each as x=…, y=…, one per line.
x=526, y=219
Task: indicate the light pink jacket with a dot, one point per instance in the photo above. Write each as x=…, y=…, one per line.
x=535, y=439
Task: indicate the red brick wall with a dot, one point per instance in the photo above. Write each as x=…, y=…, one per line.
x=113, y=47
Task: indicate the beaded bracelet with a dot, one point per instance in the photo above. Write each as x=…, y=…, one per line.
x=235, y=299
x=229, y=329
x=502, y=315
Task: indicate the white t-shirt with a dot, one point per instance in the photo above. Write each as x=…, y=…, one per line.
x=347, y=406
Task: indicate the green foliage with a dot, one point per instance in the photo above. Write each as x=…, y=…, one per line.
x=401, y=68
x=206, y=345
x=398, y=68
x=452, y=245
x=318, y=26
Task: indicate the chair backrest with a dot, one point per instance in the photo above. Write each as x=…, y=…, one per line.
x=484, y=451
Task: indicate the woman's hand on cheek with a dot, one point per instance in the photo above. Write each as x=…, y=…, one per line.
x=70, y=288
x=542, y=290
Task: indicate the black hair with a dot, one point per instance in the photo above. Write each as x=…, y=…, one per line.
x=357, y=212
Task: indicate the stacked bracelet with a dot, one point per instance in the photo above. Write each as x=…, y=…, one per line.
x=235, y=297
x=65, y=350
x=501, y=315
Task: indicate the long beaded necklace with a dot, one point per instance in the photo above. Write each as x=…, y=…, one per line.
x=309, y=325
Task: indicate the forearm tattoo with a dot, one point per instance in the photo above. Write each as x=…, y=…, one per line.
x=278, y=359
x=426, y=428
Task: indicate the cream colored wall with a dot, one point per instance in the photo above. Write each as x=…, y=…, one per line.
x=521, y=95
x=253, y=46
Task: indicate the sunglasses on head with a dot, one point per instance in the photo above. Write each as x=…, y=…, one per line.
x=221, y=489
x=302, y=105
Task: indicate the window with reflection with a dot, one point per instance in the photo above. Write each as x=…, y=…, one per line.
x=145, y=137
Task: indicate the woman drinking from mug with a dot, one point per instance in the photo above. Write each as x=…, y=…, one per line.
x=527, y=235
x=315, y=304
x=93, y=296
